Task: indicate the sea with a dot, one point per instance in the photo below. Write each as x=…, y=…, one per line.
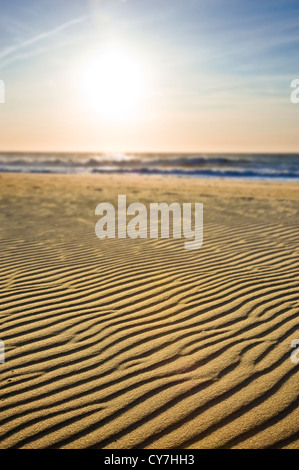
x=257, y=166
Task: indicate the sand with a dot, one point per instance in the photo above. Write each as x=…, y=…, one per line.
x=141, y=343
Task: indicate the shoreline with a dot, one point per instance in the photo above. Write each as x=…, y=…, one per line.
x=160, y=175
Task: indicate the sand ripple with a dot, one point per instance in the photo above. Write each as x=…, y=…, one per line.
x=140, y=343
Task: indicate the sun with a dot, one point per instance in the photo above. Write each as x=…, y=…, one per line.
x=113, y=85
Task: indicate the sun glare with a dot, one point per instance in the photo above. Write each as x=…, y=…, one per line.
x=113, y=85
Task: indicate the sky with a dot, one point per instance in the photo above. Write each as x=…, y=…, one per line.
x=149, y=75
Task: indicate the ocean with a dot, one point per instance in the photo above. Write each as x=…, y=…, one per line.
x=270, y=167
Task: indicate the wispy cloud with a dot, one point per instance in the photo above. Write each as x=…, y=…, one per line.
x=6, y=54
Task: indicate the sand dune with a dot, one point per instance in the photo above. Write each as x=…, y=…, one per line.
x=141, y=343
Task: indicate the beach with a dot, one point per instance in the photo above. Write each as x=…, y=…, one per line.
x=140, y=343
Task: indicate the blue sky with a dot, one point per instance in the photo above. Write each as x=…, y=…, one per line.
x=218, y=74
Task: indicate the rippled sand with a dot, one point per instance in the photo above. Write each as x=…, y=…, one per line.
x=141, y=343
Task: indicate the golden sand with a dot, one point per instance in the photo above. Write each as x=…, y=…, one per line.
x=141, y=343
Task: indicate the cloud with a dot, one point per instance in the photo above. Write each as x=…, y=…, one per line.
x=6, y=53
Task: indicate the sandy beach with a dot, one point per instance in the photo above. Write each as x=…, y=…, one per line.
x=123, y=343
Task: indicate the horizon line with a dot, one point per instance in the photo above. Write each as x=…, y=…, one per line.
x=152, y=152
